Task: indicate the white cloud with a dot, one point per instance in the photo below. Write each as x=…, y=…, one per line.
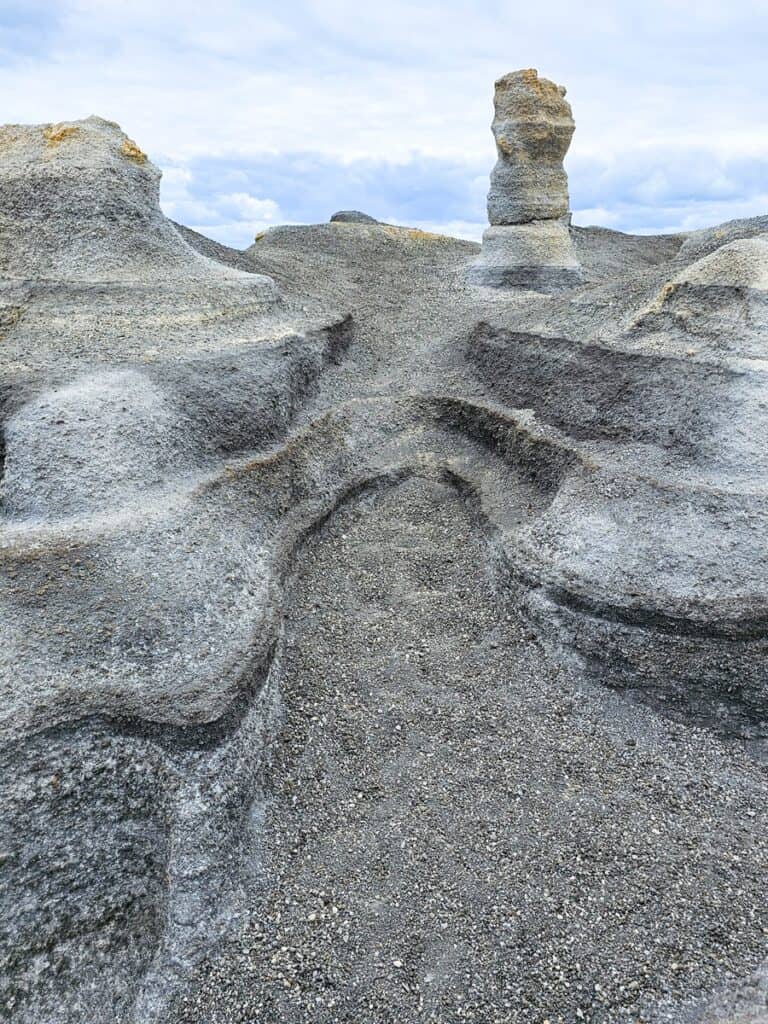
x=353, y=80
x=471, y=230
x=596, y=216
x=652, y=188
x=263, y=211
x=233, y=218
x=176, y=181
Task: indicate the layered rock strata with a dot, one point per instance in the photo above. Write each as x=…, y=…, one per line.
x=85, y=246
x=528, y=244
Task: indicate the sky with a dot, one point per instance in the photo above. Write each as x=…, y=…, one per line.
x=263, y=113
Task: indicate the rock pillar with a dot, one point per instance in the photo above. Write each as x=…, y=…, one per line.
x=528, y=244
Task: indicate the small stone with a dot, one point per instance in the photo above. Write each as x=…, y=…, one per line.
x=352, y=217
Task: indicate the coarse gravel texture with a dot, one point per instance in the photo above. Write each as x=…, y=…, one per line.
x=458, y=830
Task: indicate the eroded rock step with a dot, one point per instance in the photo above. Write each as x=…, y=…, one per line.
x=455, y=830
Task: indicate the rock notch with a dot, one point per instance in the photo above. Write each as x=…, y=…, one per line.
x=528, y=244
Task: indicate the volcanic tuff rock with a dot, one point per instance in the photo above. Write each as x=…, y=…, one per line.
x=79, y=201
x=87, y=252
x=370, y=640
x=528, y=244
x=352, y=217
x=532, y=126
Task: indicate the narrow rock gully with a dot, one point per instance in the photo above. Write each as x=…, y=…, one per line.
x=454, y=828
x=368, y=836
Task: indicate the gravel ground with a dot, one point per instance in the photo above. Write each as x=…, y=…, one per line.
x=457, y=830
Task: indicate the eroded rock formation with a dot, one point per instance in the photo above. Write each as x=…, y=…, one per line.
x=528, y=244
x=532, y=126
x=87, y=252
x=352, y=217
x=369, y=641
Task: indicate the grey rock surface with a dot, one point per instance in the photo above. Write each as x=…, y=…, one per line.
x=528, y=244
x=89, y=258
x=352, y=217
x=537, y=256
x=375, y=646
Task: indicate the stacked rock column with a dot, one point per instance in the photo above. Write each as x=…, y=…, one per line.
x=528, y=244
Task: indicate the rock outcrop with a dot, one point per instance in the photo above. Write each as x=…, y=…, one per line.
x=81, y=201
x=716, y=304
x=528, y=244
x=533, y=127
x=81, y=230
x=352, y=217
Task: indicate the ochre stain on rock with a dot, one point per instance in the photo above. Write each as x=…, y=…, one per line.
x=415, y=234
x=423, y=236
x=131, y=151
x=8, y=319
x=55, y=134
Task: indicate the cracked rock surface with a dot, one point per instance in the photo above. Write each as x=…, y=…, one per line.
x=376, y=645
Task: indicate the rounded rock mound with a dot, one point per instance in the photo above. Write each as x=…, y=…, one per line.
x=80, y=202
x=352, y=217
x=717, y=304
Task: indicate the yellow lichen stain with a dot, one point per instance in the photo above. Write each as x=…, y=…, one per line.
x=10, y=136
x=9, y=317
x=55, y=134
x=415, y=234
x=666, y=293
x=656, y=306
x=424, y=236
x=131, y=151
x=504, y=147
